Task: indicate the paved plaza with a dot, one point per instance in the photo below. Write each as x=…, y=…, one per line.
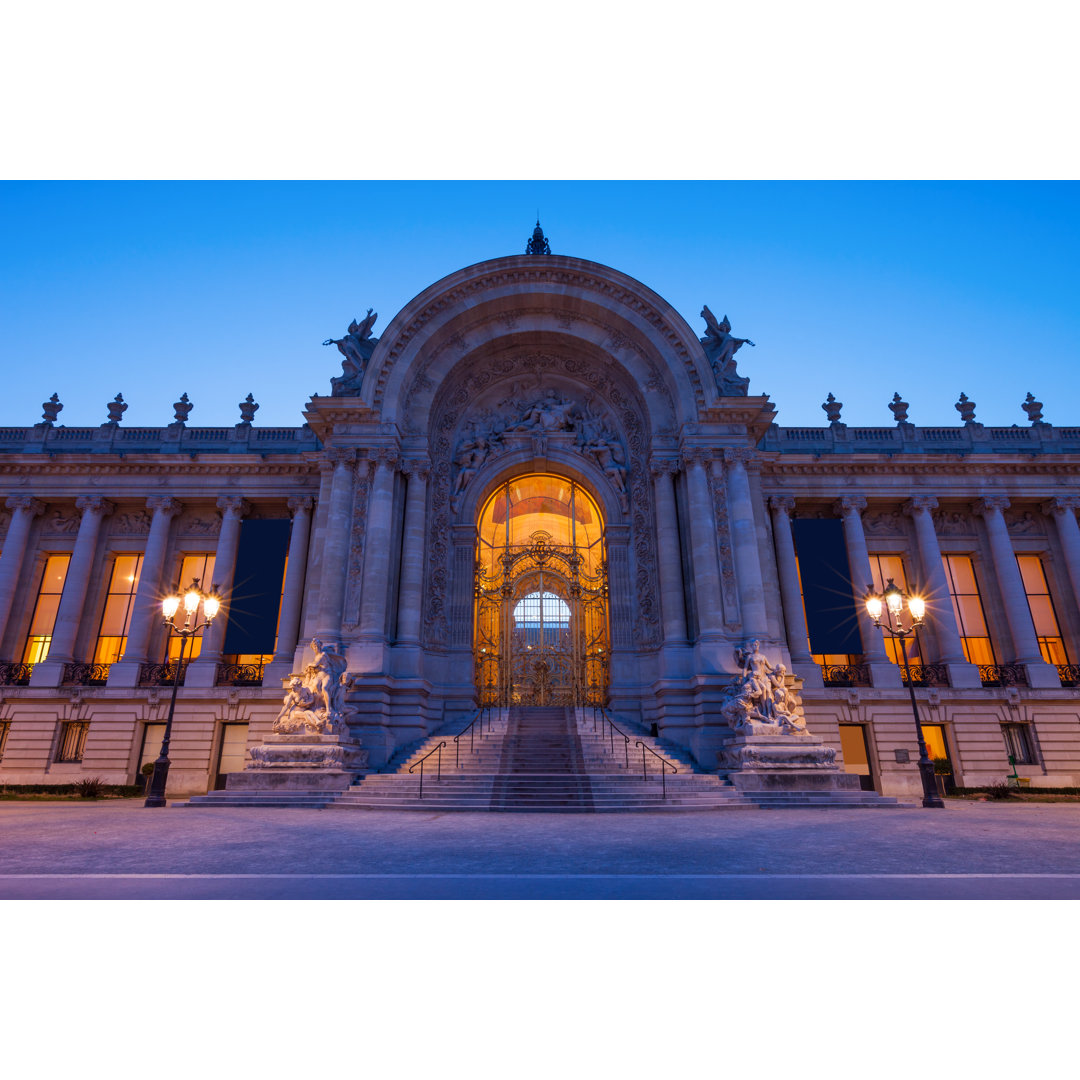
x=118, y=849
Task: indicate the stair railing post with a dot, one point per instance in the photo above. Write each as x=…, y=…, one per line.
x=438, y=775
x=644, y=773
x=421, y=778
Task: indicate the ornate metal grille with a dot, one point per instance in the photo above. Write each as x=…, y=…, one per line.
x=541, y=626
x=86, y=674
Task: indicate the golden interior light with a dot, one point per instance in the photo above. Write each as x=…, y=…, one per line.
x=873, y=606
x=169, y=606
x=917, y=607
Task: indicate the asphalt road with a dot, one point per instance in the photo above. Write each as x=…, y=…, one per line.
x=118, y=850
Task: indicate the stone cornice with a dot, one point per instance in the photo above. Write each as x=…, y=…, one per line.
x=181, y=466
x=910, y=466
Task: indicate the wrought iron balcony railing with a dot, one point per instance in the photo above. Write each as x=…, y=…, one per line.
x=1002, y=675
x=15, y=674
x=845, y=674
x=927, y=675
x=162, y=674
x=86, y=674
x=239, y=675
x=1069, y=674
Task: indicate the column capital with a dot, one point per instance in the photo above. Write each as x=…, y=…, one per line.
x=920, y=504
x=989, y=504
x=233, y=504
x=850, y=504
x=418, y=467
x=695, y=455
x=337, y=455
x=739, y=455
x=1061, y=505
x=165, y=505
x=784, y=503
x=663, y=466
x=26, y=503
x=94, y=504
x=385, y=457
x=296, y=503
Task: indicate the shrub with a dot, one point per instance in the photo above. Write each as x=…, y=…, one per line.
x=93, y=787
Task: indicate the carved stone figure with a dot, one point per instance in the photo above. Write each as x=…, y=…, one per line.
x=550, y=413
x=758, y=702
x=721, y=346
x=470, y=455
x=315, y=700
x=355, y=348
x=608, y=454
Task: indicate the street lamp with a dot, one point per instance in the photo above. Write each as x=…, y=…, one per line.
x=889, y=605
x=192, y=598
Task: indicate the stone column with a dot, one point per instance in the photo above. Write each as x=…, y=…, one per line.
x=882, y=671
x=672, y=598
x=204, y=667
x=146, y=610
x=69, y=615
x=744, y=546
x=148, y=596
x=1063, y=511
x=939, y=606
x=335, y=552
x=412, y=553
x=376, y=583
x=24, y=508
x=703, y=546
x=1017, y=613
x=292, y=599
x=788, y=570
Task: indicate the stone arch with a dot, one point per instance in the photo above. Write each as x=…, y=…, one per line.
x=473, y=392
x=539, y=295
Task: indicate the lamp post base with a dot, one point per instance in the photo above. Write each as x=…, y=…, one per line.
x=931, y=797
x=158, y=779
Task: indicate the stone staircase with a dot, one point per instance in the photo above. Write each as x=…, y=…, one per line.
x=543, y=760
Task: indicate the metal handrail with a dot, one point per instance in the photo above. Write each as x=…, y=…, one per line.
x=611, y=733
x=438, y=775
x=664, y=765
x=461, y=734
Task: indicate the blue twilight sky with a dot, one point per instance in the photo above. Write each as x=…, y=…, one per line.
x=221, y=288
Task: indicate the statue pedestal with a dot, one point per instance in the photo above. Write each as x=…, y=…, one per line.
x=303, y=762
x=783, y=763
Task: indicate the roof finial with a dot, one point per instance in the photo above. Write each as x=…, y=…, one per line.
x=538, y=245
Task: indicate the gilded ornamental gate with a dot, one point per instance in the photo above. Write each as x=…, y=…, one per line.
x=541, y=596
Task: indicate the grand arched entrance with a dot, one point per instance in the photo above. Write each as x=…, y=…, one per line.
x=541, y=595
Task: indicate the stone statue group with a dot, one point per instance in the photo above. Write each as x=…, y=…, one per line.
x=758, y=701
x=541, y=417
x=315, y=698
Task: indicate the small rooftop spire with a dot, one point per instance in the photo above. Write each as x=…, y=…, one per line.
x=538, y=245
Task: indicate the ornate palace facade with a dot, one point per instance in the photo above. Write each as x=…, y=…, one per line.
x=539, y=485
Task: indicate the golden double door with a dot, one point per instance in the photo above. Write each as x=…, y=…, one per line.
x=541, y=613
